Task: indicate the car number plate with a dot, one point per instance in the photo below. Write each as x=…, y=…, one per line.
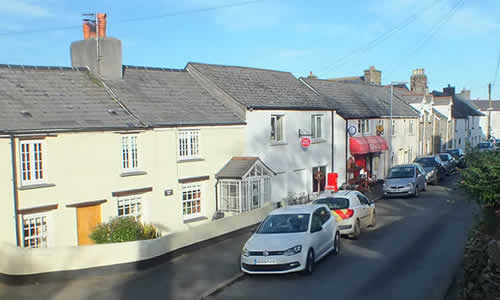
x=265, y=262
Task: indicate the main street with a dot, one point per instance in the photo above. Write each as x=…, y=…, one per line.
x=411, y=254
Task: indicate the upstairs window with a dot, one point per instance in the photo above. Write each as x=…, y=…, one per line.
x=32, y=162
x=130, y=158
x=363, y=126
x=277, y=131
x=410, y=128
x=189, y=144
x=316, y=127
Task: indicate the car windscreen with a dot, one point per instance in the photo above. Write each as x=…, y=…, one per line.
x=334, y=202
x=443, y=157
x=401, y=172
x=284, y=223
x=454, y=152
x=427, y=162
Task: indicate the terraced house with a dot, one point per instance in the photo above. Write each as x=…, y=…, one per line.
x=80, y=145
x=279, y=111
x=375, y=143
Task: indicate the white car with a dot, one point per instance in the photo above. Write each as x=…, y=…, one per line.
x=291, y=239
x=352, y=209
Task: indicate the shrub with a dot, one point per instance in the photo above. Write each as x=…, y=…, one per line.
x=123, y=229
x=482, y=180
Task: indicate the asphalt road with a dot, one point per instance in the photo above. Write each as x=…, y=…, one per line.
x=411, y=254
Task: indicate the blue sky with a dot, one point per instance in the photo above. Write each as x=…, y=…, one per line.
x=455, y=43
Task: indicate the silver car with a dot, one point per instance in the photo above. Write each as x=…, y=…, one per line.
x=408, y=179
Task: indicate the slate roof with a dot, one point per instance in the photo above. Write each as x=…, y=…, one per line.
x=484, y=104
x=56, y=98
x=260, y=88
x=411, y=98
x=461, y=108
x=355, y=101
x=167, y=97
x=237, y=167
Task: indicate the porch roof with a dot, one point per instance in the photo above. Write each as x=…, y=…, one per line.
x=238, y=166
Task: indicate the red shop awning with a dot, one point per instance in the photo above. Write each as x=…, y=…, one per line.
x=367, y=144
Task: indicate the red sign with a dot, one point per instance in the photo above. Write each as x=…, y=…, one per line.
x=332, y=182
x=305, y=142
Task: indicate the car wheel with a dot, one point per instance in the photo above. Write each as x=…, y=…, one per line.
x=309, y=263
x=336, y=246
x=357, y=230
x=373, y=223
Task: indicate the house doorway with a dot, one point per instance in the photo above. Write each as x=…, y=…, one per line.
x=319, y=178
x=87, y=219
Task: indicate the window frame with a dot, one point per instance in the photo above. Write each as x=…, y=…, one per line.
x=128, y=164
x=314, y=127
x=192, y=147
x=32, y=164
x=138, y=202
x=48, y=230
x=273, y=134
x=189, y=188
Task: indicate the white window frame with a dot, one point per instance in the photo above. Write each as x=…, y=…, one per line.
x=315, y=120
x=411, y=130
x=129, y=152
x=230, y=203
x=277, y=119
x=192, y=189
x=188, y=144
x=45, y=235
x=134, y=203
x=33, y=163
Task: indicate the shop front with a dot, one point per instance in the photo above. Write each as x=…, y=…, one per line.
x=367, y=152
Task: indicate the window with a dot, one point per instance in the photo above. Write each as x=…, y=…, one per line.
x=130, y=159
x=410, y=128
x=191, y=200
x=460, y=141
x=363, y=126
x=230, y=194
x=33, y=163
x=324, y=215
x=35, y=231
x=277, y=129
x=393, y=127
x=316, y=127
x=363, y=200
x=130, y=206
x=189, y=144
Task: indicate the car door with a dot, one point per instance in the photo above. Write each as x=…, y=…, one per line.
x=327, y=224
x=317, y=233
x=364, y=209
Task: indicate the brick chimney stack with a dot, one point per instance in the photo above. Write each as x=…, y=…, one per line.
x=373, y=76
x=418, y=82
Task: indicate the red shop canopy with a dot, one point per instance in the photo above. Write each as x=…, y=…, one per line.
x=367, y=144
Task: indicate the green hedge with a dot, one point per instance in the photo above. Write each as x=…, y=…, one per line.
x=123, y=229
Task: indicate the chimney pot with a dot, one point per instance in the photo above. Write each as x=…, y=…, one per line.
x=101, y=21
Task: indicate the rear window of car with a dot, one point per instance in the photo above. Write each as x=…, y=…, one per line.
x=401, y=172
x=334, y=203
x=427, y=162
x=443, y=157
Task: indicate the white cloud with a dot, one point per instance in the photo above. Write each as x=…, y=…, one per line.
x=20, y=8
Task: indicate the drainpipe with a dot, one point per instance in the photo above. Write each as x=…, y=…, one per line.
x=216, y=196
x=14, y=187
x=333, y=143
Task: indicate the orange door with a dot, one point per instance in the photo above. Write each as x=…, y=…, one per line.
x=87, y=217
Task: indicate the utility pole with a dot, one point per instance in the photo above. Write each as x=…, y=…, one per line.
x=489, y=111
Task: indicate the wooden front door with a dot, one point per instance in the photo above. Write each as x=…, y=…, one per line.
x=87, y=218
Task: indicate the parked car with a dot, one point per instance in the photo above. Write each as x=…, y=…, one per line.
x=449, y=162
x=434, y=170
x=459, y=156
x=291, y=239
x=485, y=147
x=352, y=209
x=407, y=179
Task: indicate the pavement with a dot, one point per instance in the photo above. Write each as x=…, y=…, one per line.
x=409, y=255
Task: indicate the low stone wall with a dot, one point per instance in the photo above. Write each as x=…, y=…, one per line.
x=21, y=261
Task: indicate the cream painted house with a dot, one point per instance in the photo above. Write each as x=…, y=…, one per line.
x=86, y=149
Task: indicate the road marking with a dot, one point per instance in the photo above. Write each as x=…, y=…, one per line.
x=222, y=285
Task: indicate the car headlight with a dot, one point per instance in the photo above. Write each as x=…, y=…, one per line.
x=245, y=252
x=410, y=184
x=431, y=173
x=293, y=250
